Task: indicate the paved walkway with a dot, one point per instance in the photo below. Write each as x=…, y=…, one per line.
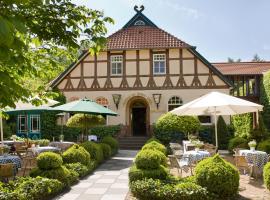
x=108, y=182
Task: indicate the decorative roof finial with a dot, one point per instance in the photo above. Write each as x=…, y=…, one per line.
x=139, y=10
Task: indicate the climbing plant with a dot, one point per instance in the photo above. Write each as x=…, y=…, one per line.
x=265, y=99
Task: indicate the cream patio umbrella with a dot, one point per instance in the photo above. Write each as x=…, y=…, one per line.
x=216, y=103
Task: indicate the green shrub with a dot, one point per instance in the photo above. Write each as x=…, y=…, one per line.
x=266, y=175
x=139, y=174
x=62, y=174
x=149, y=189
x=43, y=142
x=155, y=146
x=107, y=150
x=103, y=131
x=150, y=159
x=242, y=125
x=37, y=188
x=112, y=142
x=265, y=98
x=237, y=142
x=76, y=154
x=152, y=139
x=218, y=176
x=264, y=146
x=259, y=133
x=81, y=169
x=94, y=149
x=223, y=133
x=49, y=160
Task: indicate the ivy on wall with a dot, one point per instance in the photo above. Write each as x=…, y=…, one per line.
x=265, y=99
x=242, y=125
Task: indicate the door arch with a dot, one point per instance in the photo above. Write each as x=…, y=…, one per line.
x=138, y=116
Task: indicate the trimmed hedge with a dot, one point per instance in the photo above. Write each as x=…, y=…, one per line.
x=237, y=142
x=76, y=154
x=107, y=150
x=138, y=174
x=81, y=169
x=149, y=189
x=112, y=142
x=95, y=150
x=104, y=131
x=49, y=160
x=266, y=175
x=218, y=176
x=62, y=174
x=155, y=146
x=264, y=146
x=150, y=159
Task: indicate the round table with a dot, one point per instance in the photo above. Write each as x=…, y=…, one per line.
x=38, y=150
x=11, y=159
x=62, y=145
x=195, y=156
x=257, y=158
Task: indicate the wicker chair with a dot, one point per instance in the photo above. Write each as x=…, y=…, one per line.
x=21, y=149
x=7, y=171
x=236, y=151
x=29, y=161
x=241, y=163
x=212, y=149
x=181, y=164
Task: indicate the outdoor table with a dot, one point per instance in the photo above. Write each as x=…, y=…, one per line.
x=186, y=144
x=11, y=159
x=195, y=156
x=61, y=145
x=257, y=158
x=38, y=150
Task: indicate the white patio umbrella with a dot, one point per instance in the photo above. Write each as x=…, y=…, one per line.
x=216, y=103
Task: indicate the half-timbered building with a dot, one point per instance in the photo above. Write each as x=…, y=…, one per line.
x=142, y=73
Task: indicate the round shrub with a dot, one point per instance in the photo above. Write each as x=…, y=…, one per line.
x=81, y=169
x=155, y=146
x=190, y=191
x=266, y=175
x=264, y=146
x=94, y=149
x=237, y=142
x=150, y=159
x=62, y=174
x=49, y=160
x=107, y=150
x=76, y=154
x=138, y=174
x=218, y=176
x=112, y=142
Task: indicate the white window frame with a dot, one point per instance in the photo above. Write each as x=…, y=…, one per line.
x=116, y=59
x=20, y=122
x=174, y=103
x=157, y=58
x=32, y=117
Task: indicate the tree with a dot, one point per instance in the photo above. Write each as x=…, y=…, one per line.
x=231, y=60
x=223, y=133
x=37, y=35
x=256, y=58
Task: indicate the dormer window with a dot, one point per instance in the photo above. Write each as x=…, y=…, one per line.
x=139, y=23
x=116, y=64
x=159, y=63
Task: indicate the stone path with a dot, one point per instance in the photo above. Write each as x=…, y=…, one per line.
x=108, y=182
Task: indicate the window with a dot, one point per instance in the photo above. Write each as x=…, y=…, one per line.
x=22, y=123
x=139, y=23
x=174, y=102
x=205, y=119
x=116, y=65
x=104, y=102
x=35, y=123
x=159, y=63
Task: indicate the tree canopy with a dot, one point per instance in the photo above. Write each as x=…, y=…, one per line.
x=38, y=38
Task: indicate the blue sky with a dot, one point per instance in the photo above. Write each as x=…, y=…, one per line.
x=219, y=28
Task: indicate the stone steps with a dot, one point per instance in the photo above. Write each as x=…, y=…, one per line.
x=132, y=143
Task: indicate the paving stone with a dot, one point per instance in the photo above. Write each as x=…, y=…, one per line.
x=101, y=185
x=96, y=191
x=70, y=196
x=113, y=197
x=90, y=197
x=112, y=173
x=96, y=176
x=119, y=185
x=105, y=180
x=82, y=185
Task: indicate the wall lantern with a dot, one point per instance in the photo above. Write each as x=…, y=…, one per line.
x=116, y=99
x=157, y=98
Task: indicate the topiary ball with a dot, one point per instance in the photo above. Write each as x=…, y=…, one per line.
x=107, y=150
x=95, y=150
x=149, y=159
x=266, y=175
x=112, y=142
x=76, y=154
x=218, y=176
x=49, y=160
x=155, y=146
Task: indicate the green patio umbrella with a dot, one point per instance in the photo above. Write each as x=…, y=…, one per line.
x=85, y=106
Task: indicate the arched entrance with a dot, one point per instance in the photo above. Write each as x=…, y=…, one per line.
x=138, y=116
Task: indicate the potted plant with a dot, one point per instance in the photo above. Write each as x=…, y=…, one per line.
x=252, y=144
x=198, y=144
x=13, y=137
x=61, y=138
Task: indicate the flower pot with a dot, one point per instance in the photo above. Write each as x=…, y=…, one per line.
x=252, y=148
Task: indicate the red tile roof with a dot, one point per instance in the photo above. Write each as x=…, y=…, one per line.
x=143, y=37
x=242, y=68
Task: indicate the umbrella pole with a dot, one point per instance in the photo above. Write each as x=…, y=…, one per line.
x=1, y=127
x=216, y=128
